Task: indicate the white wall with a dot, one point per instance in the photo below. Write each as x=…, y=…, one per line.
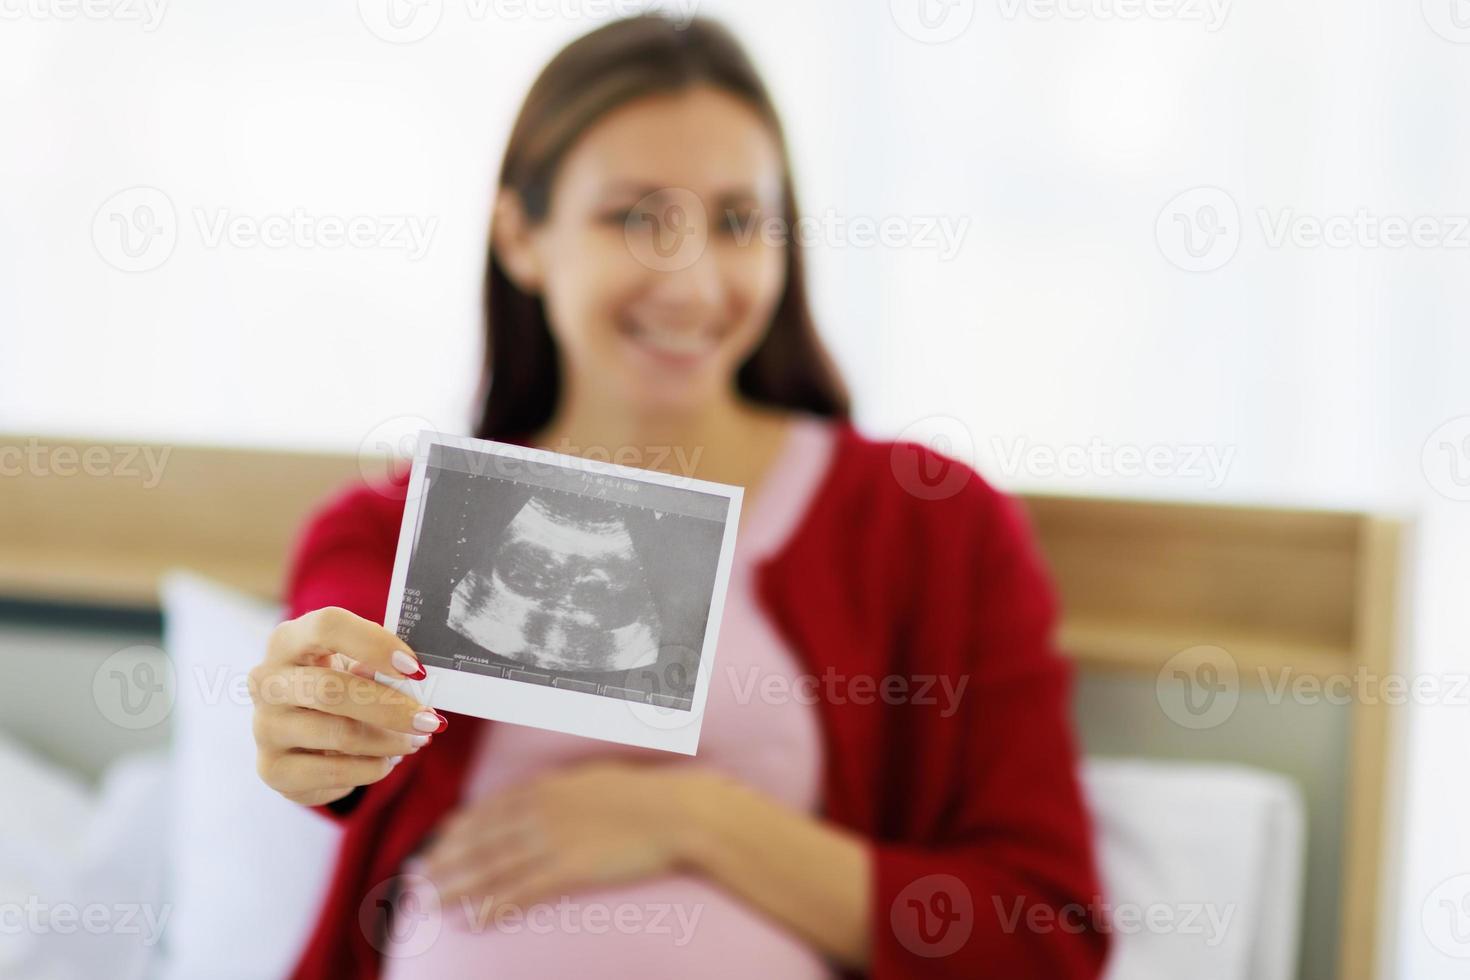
x=1062, y=322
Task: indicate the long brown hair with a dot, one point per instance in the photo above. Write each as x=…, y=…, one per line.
x=616, y=64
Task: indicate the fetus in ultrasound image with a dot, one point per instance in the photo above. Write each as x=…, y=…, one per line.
x=566, y=590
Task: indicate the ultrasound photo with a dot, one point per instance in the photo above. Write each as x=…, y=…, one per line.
x=586, y=586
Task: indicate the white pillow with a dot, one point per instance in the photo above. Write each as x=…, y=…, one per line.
x=1215, y=854
x=85, y=868
x=249, y=869
x=44, y=811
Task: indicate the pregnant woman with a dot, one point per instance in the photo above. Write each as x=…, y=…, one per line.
x=885, y=783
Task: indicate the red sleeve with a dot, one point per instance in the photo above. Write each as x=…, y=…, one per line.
x=344, y=557
x=1006, y=886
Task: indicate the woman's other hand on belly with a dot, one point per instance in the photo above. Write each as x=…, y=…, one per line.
x=591, y=825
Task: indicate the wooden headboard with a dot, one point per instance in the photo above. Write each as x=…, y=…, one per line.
x=1313, y=591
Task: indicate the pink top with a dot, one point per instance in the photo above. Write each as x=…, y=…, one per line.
x=757, y=726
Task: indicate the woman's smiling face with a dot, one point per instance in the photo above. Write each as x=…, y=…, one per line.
x=657, y=262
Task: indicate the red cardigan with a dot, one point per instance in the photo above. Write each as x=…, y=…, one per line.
x=973, y=819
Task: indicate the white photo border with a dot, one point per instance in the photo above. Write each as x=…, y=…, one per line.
x=552, y=708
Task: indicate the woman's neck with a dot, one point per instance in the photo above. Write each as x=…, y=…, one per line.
x=728, y=441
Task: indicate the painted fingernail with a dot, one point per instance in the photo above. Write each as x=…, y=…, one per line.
x=419, y=741
x=430, y=721
x=406, y=665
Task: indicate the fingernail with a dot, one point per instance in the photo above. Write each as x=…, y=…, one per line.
x=393, y=761
x=406, y=665
x=419, y=741
x=430, y=721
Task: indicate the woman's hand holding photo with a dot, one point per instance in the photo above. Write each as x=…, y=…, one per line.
x=323, y=724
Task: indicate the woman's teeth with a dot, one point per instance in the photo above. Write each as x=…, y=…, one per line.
x=675, y=342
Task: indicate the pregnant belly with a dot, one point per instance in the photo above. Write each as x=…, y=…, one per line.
x=674, y=926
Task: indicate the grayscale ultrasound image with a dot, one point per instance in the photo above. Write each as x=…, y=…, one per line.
x=570, y=579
